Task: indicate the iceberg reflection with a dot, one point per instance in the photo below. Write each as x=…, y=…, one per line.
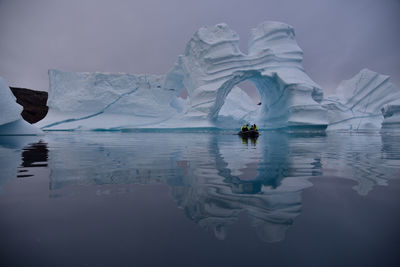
x=213, y=177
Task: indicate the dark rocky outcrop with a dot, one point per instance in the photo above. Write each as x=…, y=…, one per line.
x=34, y=103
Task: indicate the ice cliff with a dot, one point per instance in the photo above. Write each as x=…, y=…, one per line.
x=106, y=101
x=366, y=101
x=210, y=68
x=11, y=122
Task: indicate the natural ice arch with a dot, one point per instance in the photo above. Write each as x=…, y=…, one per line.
x=259, y=82
x=213, y=64
x=226, y=87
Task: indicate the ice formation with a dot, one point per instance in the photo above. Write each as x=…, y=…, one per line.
x=210, y=68
x=11, y=122
x=213, y=64
x=106, y=101
x=238, y=107
x=366, y=101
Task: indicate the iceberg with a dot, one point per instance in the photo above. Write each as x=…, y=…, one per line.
x=11, y=122
x=91, y=101
x=367, y=101
x=209, y=70
x=213, y=64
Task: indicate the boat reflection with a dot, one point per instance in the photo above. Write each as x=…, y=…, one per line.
x=245, y=140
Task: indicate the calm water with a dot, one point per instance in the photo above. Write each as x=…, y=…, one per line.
x=200, y=199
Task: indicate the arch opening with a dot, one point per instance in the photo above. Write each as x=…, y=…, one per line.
x=240, y=105
x=250, y=89
x=264, y=89
x=183, y=94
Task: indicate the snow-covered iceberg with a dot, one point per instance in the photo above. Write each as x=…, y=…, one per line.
x=366, y=101
x=210, y=68
x=11, y=122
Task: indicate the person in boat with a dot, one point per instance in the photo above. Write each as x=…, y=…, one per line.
x=253, y=127
x=244, y=128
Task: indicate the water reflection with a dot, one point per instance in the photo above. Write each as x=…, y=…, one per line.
x=216, y=177
x=359, y=157
x=33, y=156
x=245, y=140
x=217, y=189
x=10, y=155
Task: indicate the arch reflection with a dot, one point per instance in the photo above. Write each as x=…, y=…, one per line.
x=216, y=177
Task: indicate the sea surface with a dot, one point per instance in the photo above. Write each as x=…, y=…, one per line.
x=200, y=199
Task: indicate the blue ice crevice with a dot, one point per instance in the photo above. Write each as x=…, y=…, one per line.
x=92, y=115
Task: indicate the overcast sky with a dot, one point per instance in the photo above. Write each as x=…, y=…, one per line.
x=338, y=37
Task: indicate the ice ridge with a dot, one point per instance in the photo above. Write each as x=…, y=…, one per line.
x=360, y=102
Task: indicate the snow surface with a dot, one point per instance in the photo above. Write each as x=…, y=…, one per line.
x=210, y=68
x=11, y=122
x=361, y=102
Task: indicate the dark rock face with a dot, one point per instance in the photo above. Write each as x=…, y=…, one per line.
x=34, y=103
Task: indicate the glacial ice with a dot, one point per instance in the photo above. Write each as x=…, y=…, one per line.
x=10, y=110
x=106, y=101
x=11, y=122
x=366, y=101
x=213, y=64
x=210, y=68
